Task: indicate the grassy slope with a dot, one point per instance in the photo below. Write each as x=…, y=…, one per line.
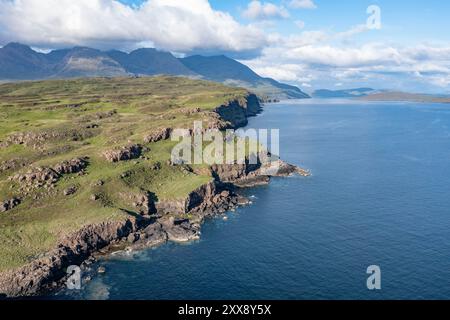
x=67, y=107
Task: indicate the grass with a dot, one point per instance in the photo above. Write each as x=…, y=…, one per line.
x=83, y=118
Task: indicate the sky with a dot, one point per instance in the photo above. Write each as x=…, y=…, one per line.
x=314, y=44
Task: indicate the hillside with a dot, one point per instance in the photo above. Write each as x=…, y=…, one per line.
x=55, y=138
x=150, y=62
x=231, y=72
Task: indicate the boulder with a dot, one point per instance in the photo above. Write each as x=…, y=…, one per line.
x=69, y=191
x=183, y=232
x=153, y=235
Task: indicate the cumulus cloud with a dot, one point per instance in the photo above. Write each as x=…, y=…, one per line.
x=319, y=59
x=302, y=4
x=264, y=10
x=174, y=25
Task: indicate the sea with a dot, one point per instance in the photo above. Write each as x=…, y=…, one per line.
x=379, y=195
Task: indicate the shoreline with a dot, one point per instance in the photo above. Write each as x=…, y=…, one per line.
x=46, y=274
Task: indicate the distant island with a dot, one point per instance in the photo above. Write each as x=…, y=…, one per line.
x=21, y=62
x=369, y=94
x=405, y=96
x=346, y=93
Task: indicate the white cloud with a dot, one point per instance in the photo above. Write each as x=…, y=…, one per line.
x=300, y=24
x=302, y=4
x=167, y=24
x=320, y=59
x=264, y=10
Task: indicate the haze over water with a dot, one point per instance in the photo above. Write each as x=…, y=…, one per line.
x=378, y=195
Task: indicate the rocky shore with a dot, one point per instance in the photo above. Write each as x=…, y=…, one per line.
x=177, y=221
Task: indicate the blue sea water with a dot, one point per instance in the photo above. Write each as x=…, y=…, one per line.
x=378, y=195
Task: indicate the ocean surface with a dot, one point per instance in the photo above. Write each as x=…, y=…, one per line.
x=379, y=194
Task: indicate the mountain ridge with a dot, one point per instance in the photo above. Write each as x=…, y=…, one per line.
x=344, y=93
x=229, y=71
x=21, y=62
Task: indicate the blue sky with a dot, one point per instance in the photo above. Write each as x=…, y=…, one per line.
x=405, y=21
x=309, y=43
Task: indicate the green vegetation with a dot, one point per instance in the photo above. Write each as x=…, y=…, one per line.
x=45, y=123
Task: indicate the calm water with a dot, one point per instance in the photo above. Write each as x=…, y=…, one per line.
x=379, y=194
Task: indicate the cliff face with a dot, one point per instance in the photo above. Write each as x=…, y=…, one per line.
x=42, y=274
x=237, y=112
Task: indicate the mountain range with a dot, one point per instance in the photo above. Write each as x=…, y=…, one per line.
x=21, y=62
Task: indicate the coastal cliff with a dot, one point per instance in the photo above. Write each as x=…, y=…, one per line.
x=47, y=273
x=237, y=112
x=156, y=201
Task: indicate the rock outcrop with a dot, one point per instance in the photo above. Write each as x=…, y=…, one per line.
x=36, y=177
x=124, y=153
x=9, y=204
x=236, y=112
x=43, y=274
x=71, y=166
x=12, y=164
x=36, y=139
x=44, y=177
x=158, y=135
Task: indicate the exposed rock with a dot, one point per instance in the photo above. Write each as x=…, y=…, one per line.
x=101, y=270
x=234, y=172
x=180, y=231
x=35, y=139
x=11, y=164
x=156, y=166
x=133, y=237
x=37, y=177
x=236, y=112
x=152, y=235
x=173, y=206
x=71, y=166
x=189, y=111
x=158, y=135
x=9, y=204
x=99, y=183
x=143, y=202
x=280, y=168
x=69, y=191
x=104, y=115
x=252, y=180
x=39, y=276
x=123, y=153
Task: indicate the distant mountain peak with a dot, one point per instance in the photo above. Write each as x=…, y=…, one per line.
x=231, y=72
x=16, y=45
x=20, y=62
